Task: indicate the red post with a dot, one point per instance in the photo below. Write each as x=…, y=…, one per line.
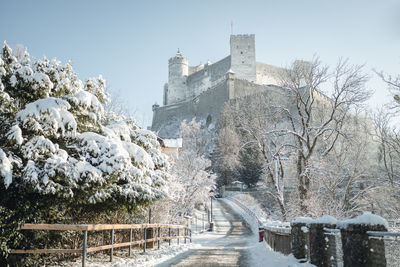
x=261, y=234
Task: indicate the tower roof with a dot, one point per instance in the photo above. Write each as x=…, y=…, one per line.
x=178, y=53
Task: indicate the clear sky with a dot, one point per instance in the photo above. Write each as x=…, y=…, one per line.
x=129, y=42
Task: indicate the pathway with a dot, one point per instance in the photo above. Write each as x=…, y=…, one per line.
x=227, y=246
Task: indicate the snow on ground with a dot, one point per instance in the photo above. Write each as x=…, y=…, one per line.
x=261, y=254
x=152, y=257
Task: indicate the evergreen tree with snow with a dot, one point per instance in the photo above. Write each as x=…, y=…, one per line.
x=251, y=166
x=62, y=157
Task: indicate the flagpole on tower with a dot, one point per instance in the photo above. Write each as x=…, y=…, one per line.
x=231, y=27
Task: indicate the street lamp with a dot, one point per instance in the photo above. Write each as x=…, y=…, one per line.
x=211, y=217
x=211, y=198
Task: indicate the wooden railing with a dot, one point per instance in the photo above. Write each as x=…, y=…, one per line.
x=174, y=232
x=278, y=238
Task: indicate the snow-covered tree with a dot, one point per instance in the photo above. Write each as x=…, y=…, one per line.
x=384, y=197
x=323, y=101
x=252, y=121
x=225, y=157
x=340, y=179
x=296, y=126
x=191, y=179
x=251, y=166
x=61, y=155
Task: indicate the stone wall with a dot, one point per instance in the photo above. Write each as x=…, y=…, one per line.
x=268, y=74
x=167, y=119
x=245, y=88
x=207, y=77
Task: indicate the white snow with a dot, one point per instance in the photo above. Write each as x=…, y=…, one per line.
x=367, y=218
x=152, y=257
x=48, y=116
x=139, y=155
x=5, y=169
x=173, y=142
x=15, y=134
x=305, y=220
x=88, y=105
x=327, y=219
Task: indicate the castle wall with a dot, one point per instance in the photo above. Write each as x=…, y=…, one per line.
x=193, y=69
x=207, y=77
x=243, y=88
x=167, y=119
x=210, y=102
x=267, y=74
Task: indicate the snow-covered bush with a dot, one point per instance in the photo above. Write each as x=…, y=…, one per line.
x=61, y=154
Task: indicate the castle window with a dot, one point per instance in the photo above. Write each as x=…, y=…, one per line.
x=208, y=120
x=242, y=62
x=241, y=52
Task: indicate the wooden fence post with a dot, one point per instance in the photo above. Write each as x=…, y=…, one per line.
x=112, y=243
x=169, y=235
x=130, y=241
x=150, y=235
x=84, y=248
x=178, y=235
x=159, y=235
x=144, y=239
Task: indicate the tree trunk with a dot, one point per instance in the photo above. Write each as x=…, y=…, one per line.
x=304, y=183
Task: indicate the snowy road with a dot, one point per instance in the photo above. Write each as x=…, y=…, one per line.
x=227, y=246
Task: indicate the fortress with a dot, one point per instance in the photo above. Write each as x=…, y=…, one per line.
x=201, y=91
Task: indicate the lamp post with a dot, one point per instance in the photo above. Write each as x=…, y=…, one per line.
x=211, y=211
x=211, y=198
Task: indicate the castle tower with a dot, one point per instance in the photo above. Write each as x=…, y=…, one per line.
x=177, y=73
x=243, y=56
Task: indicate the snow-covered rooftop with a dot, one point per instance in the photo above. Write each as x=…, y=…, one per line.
x=176, y=143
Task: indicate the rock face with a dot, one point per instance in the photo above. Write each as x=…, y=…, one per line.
x=201, y=91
